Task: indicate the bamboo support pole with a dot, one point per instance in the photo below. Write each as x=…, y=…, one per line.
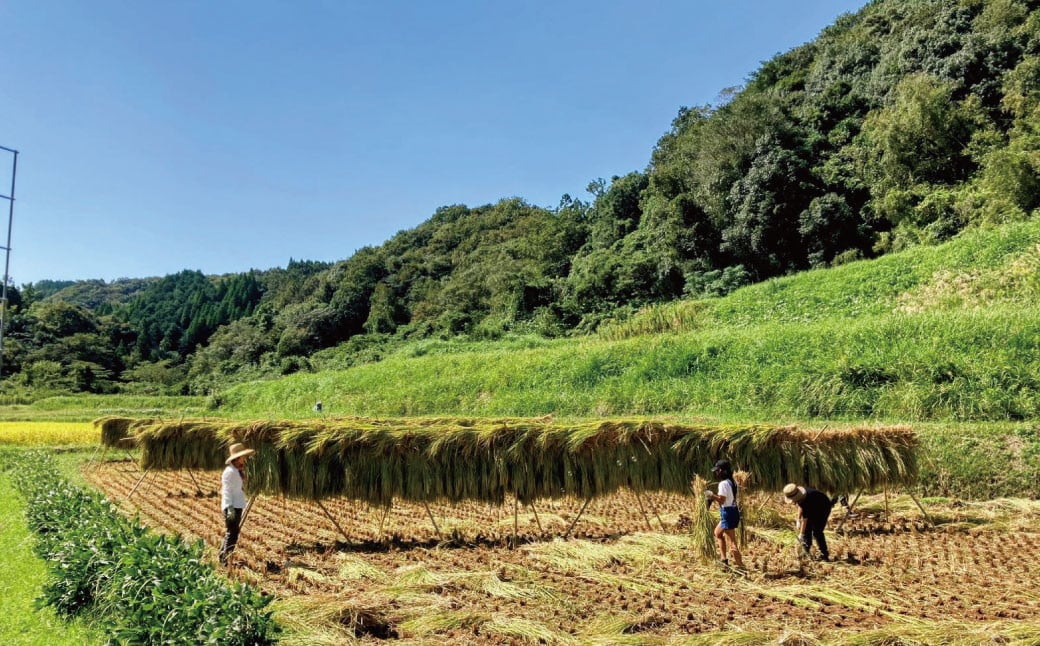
x=386, y=514
x=333, y=519
x=130, y=441
x=198, y=489
x=575, y=521
x=148, y=486
x=855, y=500
x=848, y=512
x=639, y=499
x=93, y=455
x=921, y=507
x=658, y=516
x=536, y=519
x=137, y=484
x=433, y=520
x=886, y=504
x=516, y=522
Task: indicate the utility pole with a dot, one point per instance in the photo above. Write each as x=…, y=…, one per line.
x=7, y=251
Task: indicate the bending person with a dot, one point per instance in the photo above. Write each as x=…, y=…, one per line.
x=814, y=508
x=233, y=497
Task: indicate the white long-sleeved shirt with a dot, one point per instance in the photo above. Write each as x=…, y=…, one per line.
x=232, y=493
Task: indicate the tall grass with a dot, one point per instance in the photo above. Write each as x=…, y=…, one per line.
x=980, y=266
x=961, y=365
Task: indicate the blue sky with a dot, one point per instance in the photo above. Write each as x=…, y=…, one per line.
x=230, y=135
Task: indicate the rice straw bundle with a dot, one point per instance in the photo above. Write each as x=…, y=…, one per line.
x=185, y=444
x=113, y=430
x=742, y=478
x=839, y=461
x=432, y=459
x=704, y=521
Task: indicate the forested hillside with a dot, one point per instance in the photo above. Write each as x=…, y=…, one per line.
x=901, y=125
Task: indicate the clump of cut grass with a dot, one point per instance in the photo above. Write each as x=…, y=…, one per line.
x=614, y=629
x=526, y=629
x=305, y=575
x=578, y=556
x=441, y=622
x=492, y=585
x=352, y=568
x=744, y=637
x=329, y=619
x=1016, y=633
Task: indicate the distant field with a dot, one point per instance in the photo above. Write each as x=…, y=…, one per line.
x=87, y=407
x=48, y=433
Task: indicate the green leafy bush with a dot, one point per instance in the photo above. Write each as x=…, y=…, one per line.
x=143, y=588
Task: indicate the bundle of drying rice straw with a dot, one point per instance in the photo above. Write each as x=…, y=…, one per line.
x=704, y=521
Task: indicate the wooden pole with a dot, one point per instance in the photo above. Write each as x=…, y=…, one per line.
x=575, y=521
x=654, y=509
x=433, y=520
x=137, y=484
x=921, y=507
x=848, y=512
x=386, y=513
x=130, y=441
x=535, y=512
x=639, y=499
x=93, y=455
x=333, y=519
x=516, y=522
x=855, y=500
x=198, y=489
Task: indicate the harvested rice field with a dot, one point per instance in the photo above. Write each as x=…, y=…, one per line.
x=347, y=573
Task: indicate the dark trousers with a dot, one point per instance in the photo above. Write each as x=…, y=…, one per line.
x=813, y=530
x=233, y=522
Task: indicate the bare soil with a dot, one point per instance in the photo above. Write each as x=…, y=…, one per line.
x=474, y=573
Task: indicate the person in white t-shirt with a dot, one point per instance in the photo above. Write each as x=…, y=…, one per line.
x=729, y=513
x=233, y=497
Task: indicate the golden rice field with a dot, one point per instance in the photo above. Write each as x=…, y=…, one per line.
x=48, y=433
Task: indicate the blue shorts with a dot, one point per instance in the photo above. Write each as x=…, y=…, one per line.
x=730, y=517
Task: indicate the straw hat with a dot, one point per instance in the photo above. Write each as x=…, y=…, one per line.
x=794, y=493
x=237, y=451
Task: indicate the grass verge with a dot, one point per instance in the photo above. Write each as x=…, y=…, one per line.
x=21, y=578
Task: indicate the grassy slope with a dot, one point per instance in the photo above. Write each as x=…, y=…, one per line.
x=939, y=333
x=21, y=579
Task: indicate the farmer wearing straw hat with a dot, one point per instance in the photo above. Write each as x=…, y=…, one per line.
x=233, y=496
x=814, y=508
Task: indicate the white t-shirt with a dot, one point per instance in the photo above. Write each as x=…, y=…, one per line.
x=726, y=491
x=231, y=492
